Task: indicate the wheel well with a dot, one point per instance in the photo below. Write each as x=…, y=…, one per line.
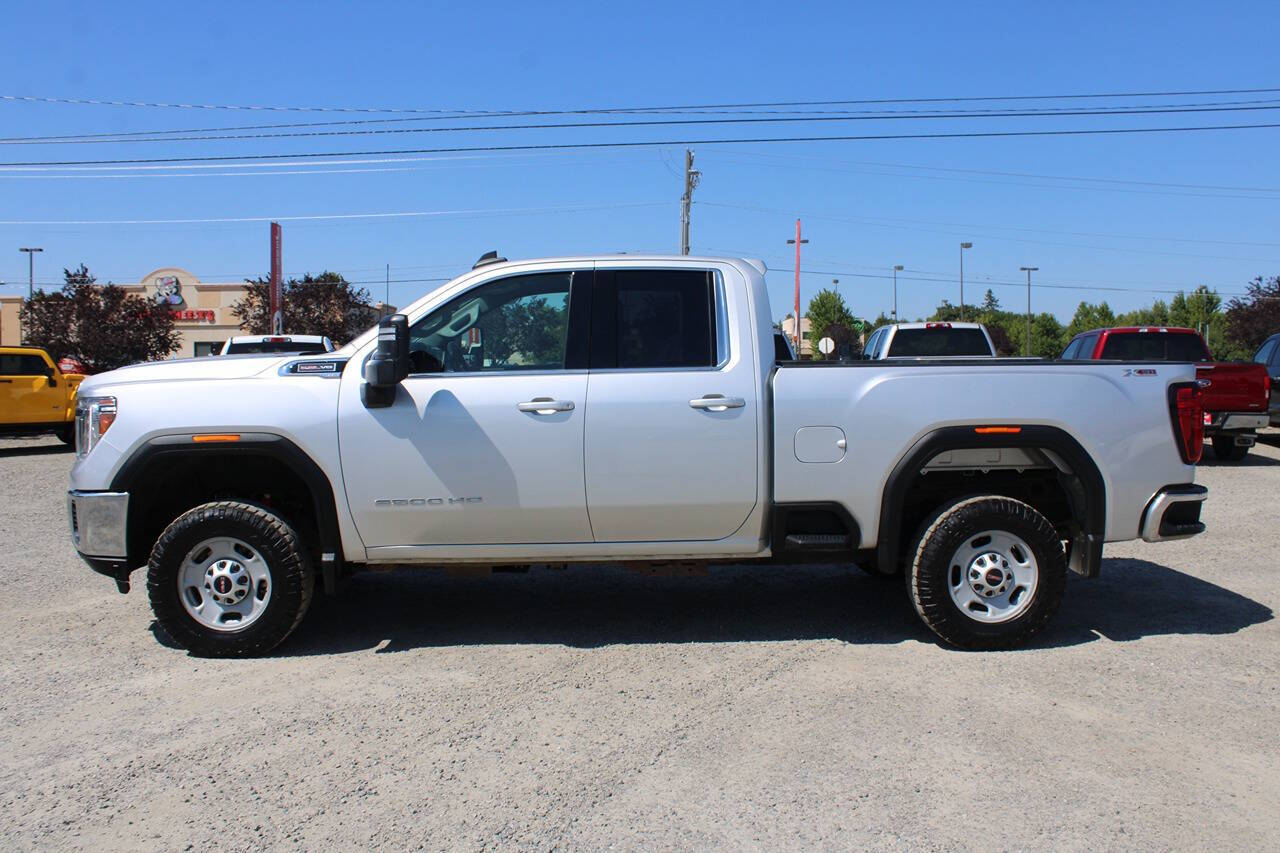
x=1041, y=466
x=168, y=484
x=1040, y=488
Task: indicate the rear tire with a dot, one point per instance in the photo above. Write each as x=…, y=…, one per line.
x=229, y=579
x=1226, y=449
x=987, y=572
x=67, y=435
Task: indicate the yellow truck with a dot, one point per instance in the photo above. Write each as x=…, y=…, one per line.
x=35, y=396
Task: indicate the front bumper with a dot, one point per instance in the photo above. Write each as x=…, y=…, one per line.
x=1220, y=422
x=1174, y=513
x=99, y=528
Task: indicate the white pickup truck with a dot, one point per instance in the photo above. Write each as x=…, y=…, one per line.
x=620, y=409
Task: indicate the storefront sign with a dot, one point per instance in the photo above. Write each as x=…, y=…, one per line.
x=195, y=315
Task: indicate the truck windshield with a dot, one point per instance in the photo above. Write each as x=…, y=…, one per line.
x=238, y=348
x=942, y=341
x=1154, y=346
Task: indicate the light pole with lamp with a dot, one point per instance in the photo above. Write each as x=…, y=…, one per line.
x=1028, y=271
x=897, y=269
x=31, y=271
x=798, y=243
x=963, y=246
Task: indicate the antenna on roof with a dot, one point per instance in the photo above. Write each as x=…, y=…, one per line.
x=488, y=258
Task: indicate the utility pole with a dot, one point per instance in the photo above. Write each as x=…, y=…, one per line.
x=963, y=246
x=798, y=243
x=691, y=177
x=896, y=269
x=31, y=271
x=386, y=300
x=1028, y=271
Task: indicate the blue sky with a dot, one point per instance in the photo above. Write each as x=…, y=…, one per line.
x=866, y=205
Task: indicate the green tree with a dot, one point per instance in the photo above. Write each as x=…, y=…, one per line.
x=103, y=327
x=826, y=310
x=1252, y=318
x=1048, y=336
x=1089, y=316
x=325, y=304
x=990, y=304
x=1156, y=315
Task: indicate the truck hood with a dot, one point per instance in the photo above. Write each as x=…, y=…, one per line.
x=183, y=369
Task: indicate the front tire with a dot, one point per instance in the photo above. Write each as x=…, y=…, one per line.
x=229, y=579
x=1226, y=449
x=987, y=572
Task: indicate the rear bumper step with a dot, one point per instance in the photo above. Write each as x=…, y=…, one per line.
x=1174, y=513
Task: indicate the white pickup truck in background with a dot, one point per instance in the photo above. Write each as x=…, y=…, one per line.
x=620, y=409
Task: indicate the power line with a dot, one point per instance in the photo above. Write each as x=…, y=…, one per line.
x=972, y=230
x=553, y=146
x=331, y=216
x=436, y=111
x=205, y=134
x=673, y=122
x=1012, y=174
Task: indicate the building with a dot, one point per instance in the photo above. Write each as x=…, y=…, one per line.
x=805, y=349
x=201, y=310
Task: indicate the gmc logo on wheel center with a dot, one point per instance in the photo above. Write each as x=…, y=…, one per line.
x=399, y=502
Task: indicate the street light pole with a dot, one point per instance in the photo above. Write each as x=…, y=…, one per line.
x=31, y=271
x=897, y=269
x=963, y=246
x=1028, y=271
x=798, y=243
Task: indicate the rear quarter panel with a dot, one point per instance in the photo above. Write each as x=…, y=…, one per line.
x=1121, y=420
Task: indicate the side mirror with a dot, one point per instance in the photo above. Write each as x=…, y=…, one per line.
x=389, y=363
x=51, y=375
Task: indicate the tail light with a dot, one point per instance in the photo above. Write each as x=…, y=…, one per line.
x=1186, y=410
x=937, y=325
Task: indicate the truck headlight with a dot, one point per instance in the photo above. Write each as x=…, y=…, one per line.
x=94, y=416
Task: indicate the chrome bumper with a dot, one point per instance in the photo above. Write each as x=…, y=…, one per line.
x=1239, y=420
x=98, y=523
x=1174, y=513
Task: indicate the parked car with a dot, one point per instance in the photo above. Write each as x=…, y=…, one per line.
x=35, y=396
x=282, y=344
x=1236, y=395
x=1268, y=355
x=627, y=410
x=929, y=340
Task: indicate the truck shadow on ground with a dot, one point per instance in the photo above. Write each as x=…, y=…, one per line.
x=8, y=450
x=1252, y=460
x=590, y=607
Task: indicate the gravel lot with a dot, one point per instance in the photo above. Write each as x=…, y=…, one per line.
x=591, y=707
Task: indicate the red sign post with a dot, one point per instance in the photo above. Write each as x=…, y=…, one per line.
x=277, y=287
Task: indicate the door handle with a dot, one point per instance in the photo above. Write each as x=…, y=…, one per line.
x=717, y=403
x=545, y=406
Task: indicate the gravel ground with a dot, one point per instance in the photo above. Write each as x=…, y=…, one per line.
x=591, y=707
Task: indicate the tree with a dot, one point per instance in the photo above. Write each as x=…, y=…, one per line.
x=325, y=304
x=1252, y=319
x=1089, y=316
x=103, y=327
x=1048, y=337
x=881, y=319
x=826, y=310
x=989, y=303
x=1156, y=315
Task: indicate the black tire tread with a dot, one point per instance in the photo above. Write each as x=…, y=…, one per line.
x=1226, y=449
x=292, y=577
x=932, y=600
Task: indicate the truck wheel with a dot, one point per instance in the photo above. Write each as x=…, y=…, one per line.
x=229, y=579
x=1226, y=449
x=987, y=572
x=67, y=435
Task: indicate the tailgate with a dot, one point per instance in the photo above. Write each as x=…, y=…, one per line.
x=1234, y=387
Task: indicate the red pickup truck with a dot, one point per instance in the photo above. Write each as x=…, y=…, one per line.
x=1236, y=398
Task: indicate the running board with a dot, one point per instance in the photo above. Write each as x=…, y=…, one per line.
x=817, y=541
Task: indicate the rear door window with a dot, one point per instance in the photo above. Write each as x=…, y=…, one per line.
x=1264, y=355
x=658, y=319
x=1073, y=349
